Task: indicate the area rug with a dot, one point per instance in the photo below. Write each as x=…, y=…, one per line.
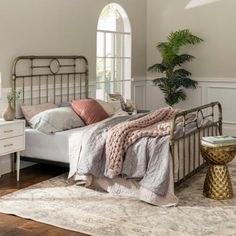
x=60, y=203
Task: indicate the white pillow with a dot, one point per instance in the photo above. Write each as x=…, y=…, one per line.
x=117, y=109
x=56, y=120
x=112, y=107
x=106, y=106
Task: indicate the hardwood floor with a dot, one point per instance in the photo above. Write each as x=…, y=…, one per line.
x=16, y=226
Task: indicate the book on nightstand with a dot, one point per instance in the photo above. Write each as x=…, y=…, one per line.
x=219, y=140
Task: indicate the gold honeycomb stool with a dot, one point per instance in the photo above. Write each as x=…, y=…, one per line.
x=217, y=183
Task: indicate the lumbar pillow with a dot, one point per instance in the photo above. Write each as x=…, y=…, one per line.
x=116, y=107
x=120, y=98
x=31, y=110
x=107, y=107
x=56, y=120
x=89, y=110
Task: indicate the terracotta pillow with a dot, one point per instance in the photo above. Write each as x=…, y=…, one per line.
x=89, y=110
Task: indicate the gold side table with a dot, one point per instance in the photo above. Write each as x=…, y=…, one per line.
x=217, y=183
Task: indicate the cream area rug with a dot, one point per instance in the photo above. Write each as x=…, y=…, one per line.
x=61, y=203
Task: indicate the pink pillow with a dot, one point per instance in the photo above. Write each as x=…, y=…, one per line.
x=89, y=110
x=29, y=111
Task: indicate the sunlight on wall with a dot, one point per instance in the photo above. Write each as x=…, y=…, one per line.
x=198, y=3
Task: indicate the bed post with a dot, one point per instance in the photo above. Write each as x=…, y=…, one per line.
x=220, y=118
x=14, y=80
x=199, y=132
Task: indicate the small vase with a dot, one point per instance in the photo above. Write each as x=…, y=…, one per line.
x=8, y=113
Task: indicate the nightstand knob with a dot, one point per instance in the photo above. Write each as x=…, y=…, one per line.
x=8, y=131
x=8, y=145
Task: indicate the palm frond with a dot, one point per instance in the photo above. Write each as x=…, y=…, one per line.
x=159, y=67
x=182, y=73
x=184, y=82
x=166, y=52
x=163, y=46
x=182, y=38
x=175, y=97
x=176, y=40
x=181, y=59
x=161, y=80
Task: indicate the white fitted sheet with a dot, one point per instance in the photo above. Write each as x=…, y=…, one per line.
x=54, y=147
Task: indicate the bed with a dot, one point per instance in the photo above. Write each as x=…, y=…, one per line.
x=61, y=78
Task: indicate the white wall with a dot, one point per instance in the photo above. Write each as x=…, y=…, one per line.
x=214, y=66
x=213, y=22
x=62, y=27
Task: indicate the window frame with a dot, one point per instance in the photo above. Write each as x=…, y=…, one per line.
x=122, y=80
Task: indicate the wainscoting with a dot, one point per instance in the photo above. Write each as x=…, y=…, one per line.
x=148, y=96
x=139, y=93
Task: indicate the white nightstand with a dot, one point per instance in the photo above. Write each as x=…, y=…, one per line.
x=12, y=139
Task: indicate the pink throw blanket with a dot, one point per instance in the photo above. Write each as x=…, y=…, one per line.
x=121, y=136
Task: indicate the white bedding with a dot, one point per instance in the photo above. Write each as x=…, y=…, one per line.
x=55, y=147
x=64, y=146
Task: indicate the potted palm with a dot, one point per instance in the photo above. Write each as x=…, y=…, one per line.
x=175, y=78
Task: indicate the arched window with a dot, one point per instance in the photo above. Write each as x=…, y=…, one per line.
x=113, y=52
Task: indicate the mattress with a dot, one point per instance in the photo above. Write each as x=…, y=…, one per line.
x=63, y=146
x=54, y=147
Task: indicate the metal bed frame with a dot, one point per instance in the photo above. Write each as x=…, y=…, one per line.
x=61, y=76
x=57, y=79
x=210, y=117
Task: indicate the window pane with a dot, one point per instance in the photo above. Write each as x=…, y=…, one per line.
x=119, y=45
x=108, y=88
x=118, y=87
x=110, y=45
x=113, y=17
x=127, y=45
x=119, y=23
x=119, y=69
x=127, y=89
x=127, y=69
x=100, y=91
x=109, y=69
x=100, y=69
x=107, y=19
x=100, y=44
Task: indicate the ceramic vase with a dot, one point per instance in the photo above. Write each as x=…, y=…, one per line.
x=8, y=113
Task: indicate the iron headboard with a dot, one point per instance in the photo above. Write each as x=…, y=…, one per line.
x=56, y=79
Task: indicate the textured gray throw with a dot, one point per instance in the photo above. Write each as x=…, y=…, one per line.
x=147, y=160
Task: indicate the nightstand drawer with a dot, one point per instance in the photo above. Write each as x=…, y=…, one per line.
x=11, y=130
x=11, y=145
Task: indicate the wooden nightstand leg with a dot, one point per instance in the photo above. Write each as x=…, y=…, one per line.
x=18, y=167
x=13, y=163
